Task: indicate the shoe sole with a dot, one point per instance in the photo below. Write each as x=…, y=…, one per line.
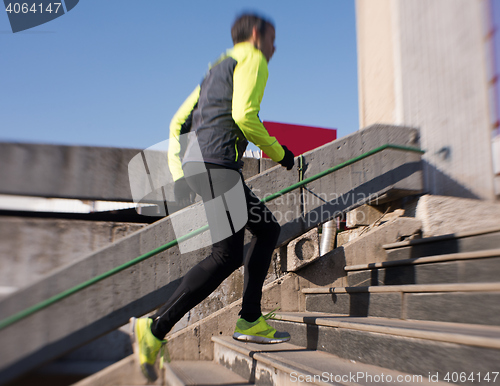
x=147, y=371
x=258, y=339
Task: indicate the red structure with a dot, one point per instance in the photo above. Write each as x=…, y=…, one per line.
x=297, y=138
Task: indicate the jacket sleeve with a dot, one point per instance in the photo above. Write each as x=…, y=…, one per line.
x=249, y=81
x=174, y=146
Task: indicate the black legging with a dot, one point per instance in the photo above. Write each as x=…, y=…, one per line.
x=226, y=256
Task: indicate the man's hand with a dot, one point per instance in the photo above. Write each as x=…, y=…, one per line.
x=288, y=160
x=184, y=195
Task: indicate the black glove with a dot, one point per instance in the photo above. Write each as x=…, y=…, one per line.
x=288, y=160
x=183, y=193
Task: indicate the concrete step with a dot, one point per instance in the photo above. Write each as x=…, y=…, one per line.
x=465, y=267
x=287, y=364
x=439, y=245
x=414, y=347
x=475, y=303
x=195, y=372
x=187, y=373
x=122, y=373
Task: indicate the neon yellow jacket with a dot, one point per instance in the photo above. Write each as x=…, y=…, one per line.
x=224, y=113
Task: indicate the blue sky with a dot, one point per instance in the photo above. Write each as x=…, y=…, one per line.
x=113, y=72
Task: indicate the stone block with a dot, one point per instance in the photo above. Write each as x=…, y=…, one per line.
x=368, y=247
x=208, y=329
x=302, y=251
x=271, y=298
x=438, y=273
x=328, y=270
x=290, y=293
x=383, y=133
x=251, y=167
x=458, y=307
x=227, y=319
x=442, y=215
x=266, y=163
x=364, y=278
x=435, y=273
x=192, y=344
x=349, y=235
x=360, y=304
x=362, y=216
x=300, y=284
x=392, y=215
x=484, y=270
x=176, y=348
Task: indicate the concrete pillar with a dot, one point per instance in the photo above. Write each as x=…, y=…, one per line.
x=424, y=63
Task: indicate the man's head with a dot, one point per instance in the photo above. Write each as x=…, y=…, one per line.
x=257, y=30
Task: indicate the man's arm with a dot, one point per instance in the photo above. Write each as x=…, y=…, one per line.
x=249, y=81
x=174, y=146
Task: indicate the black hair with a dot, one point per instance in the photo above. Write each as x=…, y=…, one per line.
x=243, y=26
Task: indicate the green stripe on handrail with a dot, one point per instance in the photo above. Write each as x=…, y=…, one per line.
x=37, y=307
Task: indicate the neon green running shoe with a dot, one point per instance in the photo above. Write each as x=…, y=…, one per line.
x=259, y=331
x=146, y=347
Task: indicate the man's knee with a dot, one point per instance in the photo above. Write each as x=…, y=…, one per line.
x=272, y=230
x=226, y=259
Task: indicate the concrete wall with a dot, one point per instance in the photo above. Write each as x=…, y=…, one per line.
x=81, y=172
x=31, y=247
x=422, y=63
x=94, y=173
x=377, y=99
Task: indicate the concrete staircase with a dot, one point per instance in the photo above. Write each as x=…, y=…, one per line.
x=422, y=316
x=106, y=306
x=426, y=328
x=282, y=364
x=423, y=311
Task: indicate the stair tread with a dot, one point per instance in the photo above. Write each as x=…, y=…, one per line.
x=487, y=253
x=304, y=362
x=432, y=239
x=452, y=287
x=205, y=373
x=476, y=335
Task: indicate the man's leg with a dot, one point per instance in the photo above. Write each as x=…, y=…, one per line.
x=252, y=326
x=226, y=256
x=265, y=232
x=198, y=283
